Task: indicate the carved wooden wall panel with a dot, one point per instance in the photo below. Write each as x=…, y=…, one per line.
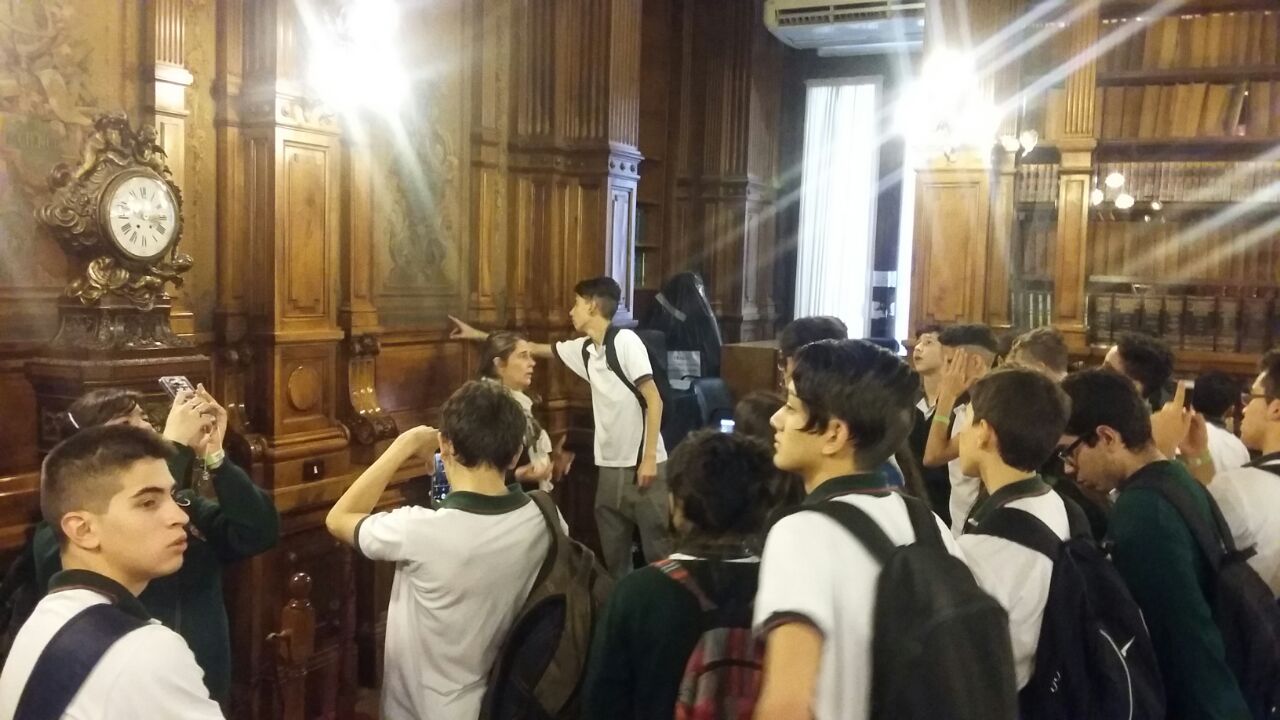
x=950, y=247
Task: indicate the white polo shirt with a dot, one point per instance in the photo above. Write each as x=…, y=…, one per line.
x=1018, y=577
x=964, y=488
x=1227, y=450
x=813, y=568
x=1249, y=498
x=618, y=418
x=462, y=574
x=148, y=673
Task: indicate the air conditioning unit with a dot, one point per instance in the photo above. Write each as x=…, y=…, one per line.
x=852, y=27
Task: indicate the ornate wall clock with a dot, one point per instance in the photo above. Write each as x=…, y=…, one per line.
x=118, y=215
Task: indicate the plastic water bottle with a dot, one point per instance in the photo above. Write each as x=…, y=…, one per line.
x=726, y=425
x=439, y=483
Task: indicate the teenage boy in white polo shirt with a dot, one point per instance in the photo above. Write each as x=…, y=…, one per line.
x=968, y=352
x=1017, y=416
x=629, y=454
x=463, y=570
x=849, y=405
x=1249, y=497
x=107, y=494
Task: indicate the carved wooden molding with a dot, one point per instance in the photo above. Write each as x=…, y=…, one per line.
x=364, y=416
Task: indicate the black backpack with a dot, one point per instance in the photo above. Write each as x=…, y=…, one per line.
x=539, y=669
x=1094, y=658
x=19, y=593
x=941, y=645
x=1244, y=607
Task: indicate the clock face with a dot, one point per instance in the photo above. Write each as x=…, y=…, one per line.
x=142, y=216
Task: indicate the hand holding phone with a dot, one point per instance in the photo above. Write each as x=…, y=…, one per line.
x=175, y=384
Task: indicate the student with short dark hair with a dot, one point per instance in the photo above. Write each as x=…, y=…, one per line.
x=1042, y=349
x=1214, y=395
x=720, y=497
x=1147, y=362
x=238, y=522
x=1017, y=417
x=107, y=496
x=629, y=453
x=849, y=405
x=462, y=570
x=1108, y=444
x=802, y=331
x=1249, y=496
x=969, y=352
x=752, y=416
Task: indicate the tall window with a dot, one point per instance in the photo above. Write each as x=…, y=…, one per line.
x=838, y=201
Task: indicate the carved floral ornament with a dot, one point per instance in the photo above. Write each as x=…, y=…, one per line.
x=74, y=216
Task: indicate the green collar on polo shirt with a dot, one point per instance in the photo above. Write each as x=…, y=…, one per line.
x=89, y=580
x=480, y=504
x=1028, y=487
x=872, y=483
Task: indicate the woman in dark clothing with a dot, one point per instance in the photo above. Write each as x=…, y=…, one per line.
x=241, y=522
x=720, y=497
x=683, y=314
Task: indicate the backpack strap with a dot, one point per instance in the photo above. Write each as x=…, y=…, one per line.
x=1023, y=528
x=860, y=525
x=1077, y=521
x=1213, y=538
x=923, y=523
x=678, y=572
x=551, y=516
x=72, y=653
x=611, y=359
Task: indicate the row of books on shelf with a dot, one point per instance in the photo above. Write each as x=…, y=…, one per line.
x=1186, y=110
x=1037, y=183
x=1031, y=308
x=1212, y=40
x=1222, y=324
x=1197, y=181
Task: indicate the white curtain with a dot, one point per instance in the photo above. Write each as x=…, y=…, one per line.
x=838, y=202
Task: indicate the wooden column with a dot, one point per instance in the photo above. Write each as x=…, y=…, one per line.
x=1070, y=270
x=166, y=80
x=727, y=185
x=965, y=206
x=573, y=162
x=491, y=38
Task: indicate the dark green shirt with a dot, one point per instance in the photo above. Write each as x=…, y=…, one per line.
x=1169, y=577
x=647, y=633
x=242, y=522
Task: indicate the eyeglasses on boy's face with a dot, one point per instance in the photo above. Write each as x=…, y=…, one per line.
x=1248, y=397
x=1068, y=454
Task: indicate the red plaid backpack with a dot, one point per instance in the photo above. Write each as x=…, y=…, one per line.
x=722, y=677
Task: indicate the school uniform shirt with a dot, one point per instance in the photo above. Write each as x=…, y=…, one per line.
x=619, y=422
x=814, y=571
x=1169, y=577
x=965, y=489
x=1227, y=450
x=1249, y=498
x=647, y=632
x=148, y=673
x=462, y=573
x=1017, y=576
